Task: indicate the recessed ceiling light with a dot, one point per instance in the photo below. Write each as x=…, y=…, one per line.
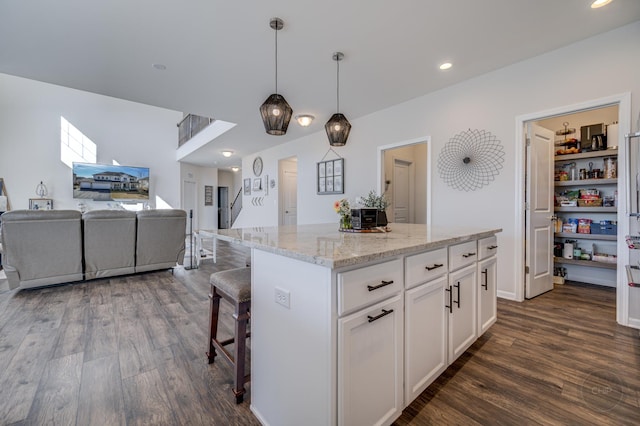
x=235, y=168
x=227, y=153
x=446, y=66
x=304, y=119
x=159, y=67
x=599, y=3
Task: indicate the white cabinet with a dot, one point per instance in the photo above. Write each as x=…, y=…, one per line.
x=370, y=364
x=401, y=322
x=487, y=283
x=462, y=306
x=487, y=297
x=425, y=336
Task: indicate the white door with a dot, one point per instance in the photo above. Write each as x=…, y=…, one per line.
x=402, y=192
x=463, y=317
x=539, y=212
x=425, y=336
x=487, y=298
x=288, y=192
x=370, y=344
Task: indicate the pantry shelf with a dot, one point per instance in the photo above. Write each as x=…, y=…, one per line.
x=584, y=182
x=587, y=209
x=590, y=263
x=579, y=236
x=588, y=154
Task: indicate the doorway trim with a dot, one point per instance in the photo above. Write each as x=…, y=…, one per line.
x=623, y=100
x=423, y=139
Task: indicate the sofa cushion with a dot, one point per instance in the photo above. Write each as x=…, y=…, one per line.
x=41, y=247
x=109, y=243
x=160, y=241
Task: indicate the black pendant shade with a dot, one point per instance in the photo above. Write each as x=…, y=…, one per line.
x=275, y=111
x=338, y=128
x=276, y=114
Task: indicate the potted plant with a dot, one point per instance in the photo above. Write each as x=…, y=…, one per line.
x=378, y=202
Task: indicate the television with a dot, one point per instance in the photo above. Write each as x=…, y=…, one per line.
x=108, y=182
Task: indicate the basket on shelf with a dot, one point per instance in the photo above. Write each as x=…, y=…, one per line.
x=595, y=202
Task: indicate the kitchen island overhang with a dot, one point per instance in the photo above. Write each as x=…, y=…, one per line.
x=315, y=291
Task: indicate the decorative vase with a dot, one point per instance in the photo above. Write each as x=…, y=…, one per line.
x=345, y=222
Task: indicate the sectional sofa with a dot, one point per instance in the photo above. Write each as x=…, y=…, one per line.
x=47, y=247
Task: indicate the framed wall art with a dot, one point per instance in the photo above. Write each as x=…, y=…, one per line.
x=208, y=195
x=257, y=184
x=330, y=177
x=247, y=186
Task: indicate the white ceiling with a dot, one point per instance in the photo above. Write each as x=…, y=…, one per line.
x=219, y=54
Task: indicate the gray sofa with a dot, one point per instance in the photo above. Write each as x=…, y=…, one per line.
x=47, y=247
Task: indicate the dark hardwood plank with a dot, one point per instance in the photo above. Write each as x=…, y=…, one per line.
x=100, y=336
x=101, y=401
x=134, y=348
x=71, y=335
x=146, y=401
x=56, y=401
x=20, y=378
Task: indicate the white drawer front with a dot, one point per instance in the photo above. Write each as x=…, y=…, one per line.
x=487, y=247
x=462, y=255
x=424, y=267
x=367, y=285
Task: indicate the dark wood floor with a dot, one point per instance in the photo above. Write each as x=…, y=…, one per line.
x=130, y=350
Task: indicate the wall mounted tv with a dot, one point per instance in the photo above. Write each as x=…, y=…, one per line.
x=107, y=182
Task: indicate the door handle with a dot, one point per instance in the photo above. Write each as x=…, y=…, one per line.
x=382, y=284
x=377, y=317
x=457, y=302
x=486, y=280
x=450, y=305
x=435, y=266
x=553, y=218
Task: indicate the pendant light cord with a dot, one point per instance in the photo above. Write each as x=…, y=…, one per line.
x=276, y=30
x=338, y=86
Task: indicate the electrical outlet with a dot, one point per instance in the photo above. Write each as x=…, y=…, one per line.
x=283, y=297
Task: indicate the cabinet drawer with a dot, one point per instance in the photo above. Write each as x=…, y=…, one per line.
x=487, y=247
x=424, y=267
x=367, y=285
x=462, y=255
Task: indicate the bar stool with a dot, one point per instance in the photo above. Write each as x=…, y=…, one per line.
x=234, y=286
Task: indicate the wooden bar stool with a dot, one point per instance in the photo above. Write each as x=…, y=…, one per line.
x=234, y=286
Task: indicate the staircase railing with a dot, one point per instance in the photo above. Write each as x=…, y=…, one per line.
x=236, y=206
x=190, y=125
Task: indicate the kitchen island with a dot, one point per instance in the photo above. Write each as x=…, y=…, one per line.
x=349, y=328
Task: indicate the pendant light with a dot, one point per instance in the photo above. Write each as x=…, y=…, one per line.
x=338, y=127
x=275, y=111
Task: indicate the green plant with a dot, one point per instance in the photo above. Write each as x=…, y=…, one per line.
x=373, y=200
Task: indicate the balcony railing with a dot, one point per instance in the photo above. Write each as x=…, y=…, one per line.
x=190, y=126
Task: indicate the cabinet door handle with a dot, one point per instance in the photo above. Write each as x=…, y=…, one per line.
x=435, y=266
x=377, y=317
x=492, y=247
x=450, y=305
x=468, y=255
x=382, y=284
x=486, y=280
x=457, y=302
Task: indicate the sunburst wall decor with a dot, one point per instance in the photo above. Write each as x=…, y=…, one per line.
x=471, y=160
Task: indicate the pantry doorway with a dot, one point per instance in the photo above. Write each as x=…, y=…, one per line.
x=527, y=258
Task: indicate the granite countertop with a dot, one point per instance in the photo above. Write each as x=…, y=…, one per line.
x=323, y=244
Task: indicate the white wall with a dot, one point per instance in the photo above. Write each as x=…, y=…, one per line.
x=490, y=102
x=132, y=134
x=205, y=217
